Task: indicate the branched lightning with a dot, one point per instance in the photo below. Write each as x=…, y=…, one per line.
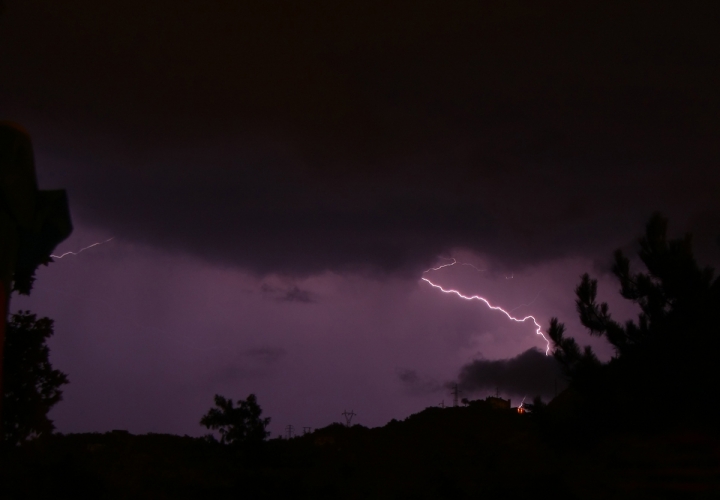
x=454, y=261
x=538, y=328
x=81, y=250
x=440, y=267
x=476, y=268
x=529, y=303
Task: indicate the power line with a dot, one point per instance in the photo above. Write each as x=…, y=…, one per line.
x=289, y=431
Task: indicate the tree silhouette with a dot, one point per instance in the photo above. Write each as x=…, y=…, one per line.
x=32, y=386
x=669, y=354
x=237, y=425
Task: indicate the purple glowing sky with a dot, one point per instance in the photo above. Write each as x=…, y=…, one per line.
x=148, y=337
x=277, y=177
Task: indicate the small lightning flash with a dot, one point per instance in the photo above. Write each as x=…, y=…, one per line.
x=81, y=250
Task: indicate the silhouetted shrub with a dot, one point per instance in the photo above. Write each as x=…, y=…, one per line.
x=31, y=386
x=237, y=425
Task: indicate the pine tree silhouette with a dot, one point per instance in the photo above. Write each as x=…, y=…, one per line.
x=665, y=364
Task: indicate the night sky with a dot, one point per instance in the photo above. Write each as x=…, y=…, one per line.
x=278, y=176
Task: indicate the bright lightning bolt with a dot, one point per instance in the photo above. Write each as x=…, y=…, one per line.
x=538, y=328
x=454, y=261
x=444, y=265
x=82, y=249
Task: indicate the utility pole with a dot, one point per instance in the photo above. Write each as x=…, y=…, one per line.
x=442, y=404
x=289, y=431
x=348, y=416
x=455, y=394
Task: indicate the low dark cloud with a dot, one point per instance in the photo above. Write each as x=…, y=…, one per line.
x=281, y=137
x=530, y=373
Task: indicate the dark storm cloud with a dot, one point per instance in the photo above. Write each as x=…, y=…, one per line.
x=301, y=137
x=530, y=373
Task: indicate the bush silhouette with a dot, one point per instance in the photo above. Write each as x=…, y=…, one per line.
x=237, y=424
x=31, y=385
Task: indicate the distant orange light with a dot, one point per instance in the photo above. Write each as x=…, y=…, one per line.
x=521, y=409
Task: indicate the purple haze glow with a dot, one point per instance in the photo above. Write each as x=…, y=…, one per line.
x=148, y=337
x=278, y=175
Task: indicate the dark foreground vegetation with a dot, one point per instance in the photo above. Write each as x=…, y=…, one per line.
x=465, y=452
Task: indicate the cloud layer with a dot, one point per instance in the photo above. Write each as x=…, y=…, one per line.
x=298, y=139
x=530, y=373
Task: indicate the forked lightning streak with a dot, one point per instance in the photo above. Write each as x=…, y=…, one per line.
x=538, y=328
x=81, y=250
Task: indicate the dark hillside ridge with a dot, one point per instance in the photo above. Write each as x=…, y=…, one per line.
x=458, y=452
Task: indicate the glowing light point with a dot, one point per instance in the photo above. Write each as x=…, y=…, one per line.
x=521, y=408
